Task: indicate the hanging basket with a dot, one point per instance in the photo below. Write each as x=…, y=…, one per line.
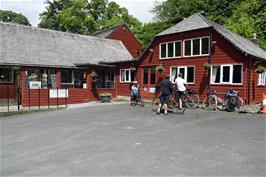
x=93, y=74
x=207, y=66
x=160, y=68
x=260, y=69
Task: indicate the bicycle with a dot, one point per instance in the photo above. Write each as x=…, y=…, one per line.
x=173, y=104
x=137, y=100
x=191, y=99
x=229, y=103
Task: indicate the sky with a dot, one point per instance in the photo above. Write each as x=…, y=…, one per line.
x=32, y=8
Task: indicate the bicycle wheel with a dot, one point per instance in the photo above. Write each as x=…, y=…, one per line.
x=209, y=103
x=155, y=103
x=180, y=107
x=192, y=101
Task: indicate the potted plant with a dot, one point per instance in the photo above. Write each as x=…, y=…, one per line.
x=260, y=69
x=207, y=66
x=106, y=97
x=94, y=74
x=160, y=68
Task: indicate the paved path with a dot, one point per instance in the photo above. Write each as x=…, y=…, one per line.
x=118, y=140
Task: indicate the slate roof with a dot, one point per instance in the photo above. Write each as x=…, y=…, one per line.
x=106, y=32
x=30, y=46
x=198, y=21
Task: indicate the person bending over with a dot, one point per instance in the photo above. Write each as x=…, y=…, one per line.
x=166, y=89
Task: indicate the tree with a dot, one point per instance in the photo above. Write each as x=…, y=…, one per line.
x=74, y=19
x=12, y=17
x=149, y=30
x=85, y=17
x=248, y=18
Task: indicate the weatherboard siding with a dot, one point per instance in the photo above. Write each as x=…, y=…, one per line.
x=124, y=34
x=224, y=53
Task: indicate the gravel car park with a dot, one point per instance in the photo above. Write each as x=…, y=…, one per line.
x=120, y=140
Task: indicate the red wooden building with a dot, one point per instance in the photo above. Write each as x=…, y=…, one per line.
x=195, y=41
x=42, y=61
x=127, y=69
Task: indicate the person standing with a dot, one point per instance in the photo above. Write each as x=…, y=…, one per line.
x=181, y=85
x=166, y=89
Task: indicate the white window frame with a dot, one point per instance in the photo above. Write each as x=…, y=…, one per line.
x=129, y=70
x=12, y=77
x=73, y=78
x=230, y=76
x=185, y=76
x=191, y=42
x=174, y=56
x=261, y=82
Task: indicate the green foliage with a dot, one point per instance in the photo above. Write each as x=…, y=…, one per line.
x=12, y=17
x=248, y=18
x=149, y=30
x=85, y=17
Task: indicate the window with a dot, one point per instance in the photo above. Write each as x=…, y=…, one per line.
x=6, y=75
x=145, y=75
x=127, y=75
x=80, y=78
x=105, y=79
x=261, y=80
x=163, y=50
x=215, y=74
x=170, y=49
x=188, y=48
x=196, y=47
x=153, y=75
x=205, y=46
x=67, y=77
x=188, y=73
x=177, y=49
x=226, y=74
x=149, y=75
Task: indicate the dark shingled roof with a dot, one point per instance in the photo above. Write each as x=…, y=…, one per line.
x=198, y=21
x=30, y=46
x=106, y=32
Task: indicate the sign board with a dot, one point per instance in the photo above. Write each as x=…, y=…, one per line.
x=61, y=93
x=84, y=86
x=152, y=90
x=35, y=84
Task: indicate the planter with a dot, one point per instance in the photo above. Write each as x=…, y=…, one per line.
x=207, y=66
x=106, y=97
x=260, y=69
x=160, y=68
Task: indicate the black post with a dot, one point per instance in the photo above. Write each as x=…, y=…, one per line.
x=57, y=97
x=29, y=98
x=66, y=98
x=39, y=91
x=7, y=99
x=48, y=98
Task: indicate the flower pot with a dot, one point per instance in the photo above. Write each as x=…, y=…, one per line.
x=105, y=98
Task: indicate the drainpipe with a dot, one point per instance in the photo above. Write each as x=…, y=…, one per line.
x=209, y=59
x=249, y=69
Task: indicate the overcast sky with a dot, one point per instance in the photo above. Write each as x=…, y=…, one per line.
x=32, y=8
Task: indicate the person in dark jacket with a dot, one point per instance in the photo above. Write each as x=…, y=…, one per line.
x=166, y=89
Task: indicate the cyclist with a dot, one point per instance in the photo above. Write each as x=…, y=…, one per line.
x=181, y=86
x=134, y=90
x=166, y=89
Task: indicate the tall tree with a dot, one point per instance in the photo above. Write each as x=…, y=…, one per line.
x=248, y=18
x=85, y=17
x=12, y=17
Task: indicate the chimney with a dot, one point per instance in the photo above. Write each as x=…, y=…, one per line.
x=255, y=39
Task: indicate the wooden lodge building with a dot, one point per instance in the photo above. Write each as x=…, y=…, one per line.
x=196, y=41
x=37, y=60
